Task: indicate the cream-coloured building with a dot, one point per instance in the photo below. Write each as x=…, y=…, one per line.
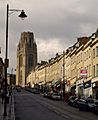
x=77, y=66
x=80, y=56
x=94, y=68
x=49, y=72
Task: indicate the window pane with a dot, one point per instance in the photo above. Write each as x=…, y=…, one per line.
x=97, y=69
x=94, y=70
x=93, y=53
x=97, y=51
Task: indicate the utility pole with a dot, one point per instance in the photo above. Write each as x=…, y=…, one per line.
x=22, y=16
x=63, y=76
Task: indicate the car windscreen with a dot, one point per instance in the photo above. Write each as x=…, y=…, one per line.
x=90, y=101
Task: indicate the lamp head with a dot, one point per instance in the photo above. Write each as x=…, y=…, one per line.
x=22, y=15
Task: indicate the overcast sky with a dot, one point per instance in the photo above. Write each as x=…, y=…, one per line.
x=56, y=24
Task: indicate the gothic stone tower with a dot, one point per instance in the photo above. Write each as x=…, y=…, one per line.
x=26, y=57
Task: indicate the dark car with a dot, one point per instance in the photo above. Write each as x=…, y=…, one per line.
x=95, y=109
x=35, y=91
x=75, y=102
x=18, y=88
x=71, y=100
x=45, y=94
x=86, y=104
x=49, y=94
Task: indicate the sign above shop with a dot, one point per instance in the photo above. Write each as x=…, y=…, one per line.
x=83, y=72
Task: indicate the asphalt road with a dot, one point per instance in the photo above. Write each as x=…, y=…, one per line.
x=30, y=106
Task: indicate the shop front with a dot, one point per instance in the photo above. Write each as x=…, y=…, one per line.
x=87, y=89
x=83, y=89
x=79, y=88
x=73, y=90
x=95, y=90
x=56, y=85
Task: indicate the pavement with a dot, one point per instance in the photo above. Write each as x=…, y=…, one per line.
x=10, y=109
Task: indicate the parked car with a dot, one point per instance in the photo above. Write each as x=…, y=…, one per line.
x=86, y=104
x=56, y=96
x=71, y=100
x=18, y=88
x=49, y=94
x=75, y=102
x=95, y=109
x=35, y=91
x=45, y=94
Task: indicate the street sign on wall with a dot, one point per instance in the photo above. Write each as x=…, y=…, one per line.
x=83, y=72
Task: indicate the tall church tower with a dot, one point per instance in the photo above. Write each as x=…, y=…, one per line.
x=26, y=57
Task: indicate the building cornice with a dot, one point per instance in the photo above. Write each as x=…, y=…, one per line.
x=87, y=44
x=73, y=52
x=80, y=48
x=94, y=41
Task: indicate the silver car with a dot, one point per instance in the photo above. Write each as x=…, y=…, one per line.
x=56, y=96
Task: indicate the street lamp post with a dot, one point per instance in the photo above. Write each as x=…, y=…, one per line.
x=63, y=77
x=22, y=15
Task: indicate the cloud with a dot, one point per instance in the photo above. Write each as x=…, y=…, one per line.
x=47, y=50
x=55, y=23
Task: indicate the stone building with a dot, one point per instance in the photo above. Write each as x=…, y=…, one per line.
x=80, y=68
x=26, y=57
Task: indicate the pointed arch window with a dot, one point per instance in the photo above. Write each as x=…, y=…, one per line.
x=30, y=42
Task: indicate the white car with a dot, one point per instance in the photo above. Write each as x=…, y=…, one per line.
x=56, y=96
